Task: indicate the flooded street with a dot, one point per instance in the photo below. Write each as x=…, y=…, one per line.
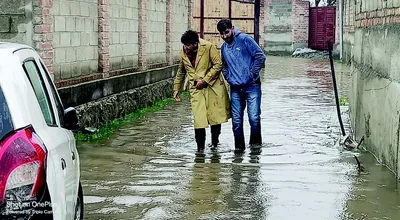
x=148, y=170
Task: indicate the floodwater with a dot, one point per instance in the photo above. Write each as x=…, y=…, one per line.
x=148, y=169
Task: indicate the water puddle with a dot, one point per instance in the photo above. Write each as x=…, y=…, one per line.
x=148, y=170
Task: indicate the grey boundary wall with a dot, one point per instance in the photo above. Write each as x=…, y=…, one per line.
x=371, y=45
x=107, y=58
x=103, y=100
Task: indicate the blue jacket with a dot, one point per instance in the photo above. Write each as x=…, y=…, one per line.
x=242, y=60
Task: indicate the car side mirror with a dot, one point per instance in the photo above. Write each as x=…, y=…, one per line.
x=70, y=119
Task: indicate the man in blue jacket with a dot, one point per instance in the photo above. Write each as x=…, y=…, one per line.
x=242, y=60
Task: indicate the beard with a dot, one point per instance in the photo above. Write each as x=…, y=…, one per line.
x=192, y=51
x=229, y=39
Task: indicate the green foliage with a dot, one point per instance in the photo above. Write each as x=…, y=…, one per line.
x=106, y=130
x=343, y=101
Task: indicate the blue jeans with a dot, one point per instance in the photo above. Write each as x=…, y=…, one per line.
x=240, y=97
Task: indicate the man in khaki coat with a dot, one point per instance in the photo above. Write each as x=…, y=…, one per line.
x=200, y=62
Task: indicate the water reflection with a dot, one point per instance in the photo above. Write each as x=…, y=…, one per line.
x=247, y=193
x=375, y=195
x=205, y=190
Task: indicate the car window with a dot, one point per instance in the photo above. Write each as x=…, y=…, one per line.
x=59, y=106
x=40, y=91
x=6, y=125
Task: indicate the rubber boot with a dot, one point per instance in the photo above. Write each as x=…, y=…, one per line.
x=240, y=145
x=215, y=132
x=200, y=136
x=255, y=139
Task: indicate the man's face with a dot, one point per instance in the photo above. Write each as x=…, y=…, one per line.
x=191, y=48
x=227, y=35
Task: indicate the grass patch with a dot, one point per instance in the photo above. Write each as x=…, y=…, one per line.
x=343, y=101
x=106, y=130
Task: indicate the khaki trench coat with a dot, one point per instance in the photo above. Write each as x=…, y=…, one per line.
x=210, y=105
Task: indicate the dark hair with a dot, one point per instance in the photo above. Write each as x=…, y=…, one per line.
x=190, y=37
x=224, y=24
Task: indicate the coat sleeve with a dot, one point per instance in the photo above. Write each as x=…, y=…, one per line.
x=257, y=53
x=213, y=73
x=225, y=70
x=180, y=76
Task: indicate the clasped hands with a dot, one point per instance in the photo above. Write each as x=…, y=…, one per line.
x=200, y=84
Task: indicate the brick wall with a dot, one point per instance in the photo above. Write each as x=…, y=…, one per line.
x=142, y=34
x=104, y=38
x=43, y=38
x=348, y=15
x=75, y=38
x=376, y=34
x=337, y=27
x=383, y=16
x=300, y=22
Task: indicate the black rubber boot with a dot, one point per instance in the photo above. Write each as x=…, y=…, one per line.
x=215, y=132
x=240, y=146
x=255, y=139
x=200, y=136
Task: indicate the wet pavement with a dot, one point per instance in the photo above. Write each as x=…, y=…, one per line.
x=148, y=169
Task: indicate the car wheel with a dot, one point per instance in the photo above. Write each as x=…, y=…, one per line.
x=79, y=204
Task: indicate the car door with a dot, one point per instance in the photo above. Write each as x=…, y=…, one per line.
x=59, y=161
x=58, y=106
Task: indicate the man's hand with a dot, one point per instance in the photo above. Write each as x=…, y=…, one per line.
x=176, y=96
x=201, y=84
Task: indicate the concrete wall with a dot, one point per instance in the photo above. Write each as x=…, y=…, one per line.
x=375, y=103
x=102, y=100
x=75, y=38
x=179, y=26
x=156, y=32
x=124, y=40
x=278, y=30
x=286, y=26
x=16, y=21
x=96, y=113
x=84, y=40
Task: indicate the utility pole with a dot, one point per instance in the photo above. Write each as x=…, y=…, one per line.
x=257, y=21
x=202, y=5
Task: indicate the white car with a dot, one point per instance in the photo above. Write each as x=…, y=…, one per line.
x=39, y=162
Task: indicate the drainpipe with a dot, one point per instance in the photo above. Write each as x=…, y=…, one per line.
x=341, y=28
